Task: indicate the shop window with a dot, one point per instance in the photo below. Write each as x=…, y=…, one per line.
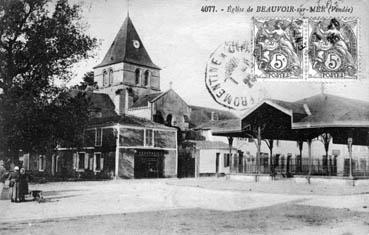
x=148, y=137
x=137, y=76
x=165, y=139
x=131, y=137
x=41, y=162
x=98, y=137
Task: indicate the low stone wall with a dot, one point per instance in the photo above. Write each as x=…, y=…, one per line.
x=300, y=179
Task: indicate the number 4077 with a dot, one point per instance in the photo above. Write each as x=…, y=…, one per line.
x=208, y=8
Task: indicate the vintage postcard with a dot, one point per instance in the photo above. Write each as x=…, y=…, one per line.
x=184, y=117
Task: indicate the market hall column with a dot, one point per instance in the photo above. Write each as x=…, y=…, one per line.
x=230, y=143
x=349, y=145
x=258, y=153
x=310, y=159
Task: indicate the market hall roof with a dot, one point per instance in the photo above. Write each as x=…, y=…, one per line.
x=307, y=118
x=127, y=47
x=323, y=110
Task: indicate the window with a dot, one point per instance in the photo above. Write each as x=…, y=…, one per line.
x=226, y=160
x=81, y=161
x=146, y=78
x=41, y=162
x=137, y=76
x=111, y=77
x=148, y=137
x=169, y=120
x=105, y=78
x=98, y=162
x=98, y=137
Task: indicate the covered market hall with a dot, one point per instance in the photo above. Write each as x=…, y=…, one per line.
x=329, y=118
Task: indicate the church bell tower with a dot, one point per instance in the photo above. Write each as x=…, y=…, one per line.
x=127, y=69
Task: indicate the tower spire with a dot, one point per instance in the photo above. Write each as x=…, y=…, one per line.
x=127, y=8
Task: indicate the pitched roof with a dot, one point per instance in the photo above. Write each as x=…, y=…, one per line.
x=145, y=99
x=127, y=120
x=229, y=124
x=98, y=102
x=123, y=50
x=322, y=110
x=332, y=110
x=201, y=115
x=205, y=144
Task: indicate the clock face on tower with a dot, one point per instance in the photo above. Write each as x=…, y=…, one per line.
x=136, y=44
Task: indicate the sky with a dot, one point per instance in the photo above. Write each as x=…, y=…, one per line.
x=180, y=38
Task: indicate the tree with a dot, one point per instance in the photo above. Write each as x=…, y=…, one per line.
x=88, y=82
x=38, y=46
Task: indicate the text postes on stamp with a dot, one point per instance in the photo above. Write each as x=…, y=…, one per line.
x=229, y=76
x=333, y=48
x=278, y=48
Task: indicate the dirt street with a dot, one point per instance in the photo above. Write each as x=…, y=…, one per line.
x=189, y=206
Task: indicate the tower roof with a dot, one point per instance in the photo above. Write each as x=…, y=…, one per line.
x=127, y=47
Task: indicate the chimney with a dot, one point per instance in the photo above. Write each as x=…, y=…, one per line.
x=214, y=116
x=121, y=101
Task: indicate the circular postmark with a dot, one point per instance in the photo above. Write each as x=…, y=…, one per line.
x=229, y=75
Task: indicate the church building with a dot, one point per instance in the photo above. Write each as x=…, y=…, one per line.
x=135, y=129
x=130, y=78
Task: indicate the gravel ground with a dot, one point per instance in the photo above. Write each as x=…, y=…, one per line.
x=189, y=206
x=278, y=186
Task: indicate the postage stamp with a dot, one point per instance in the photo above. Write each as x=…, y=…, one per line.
x=278, y=48
x=333, y=48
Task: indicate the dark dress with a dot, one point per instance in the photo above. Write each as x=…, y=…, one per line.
x=14, y=190
x=23, y=185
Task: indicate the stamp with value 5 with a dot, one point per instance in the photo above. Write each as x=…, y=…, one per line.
x=278, y=48
x=333, y=48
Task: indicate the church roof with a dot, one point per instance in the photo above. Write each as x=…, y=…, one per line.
x=201, y=115
x=218, y=125
x=206, y=144
x=127, y=47
x=144, y=100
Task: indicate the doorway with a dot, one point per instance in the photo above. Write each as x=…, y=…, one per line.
x=149, y=164
x=217, y=163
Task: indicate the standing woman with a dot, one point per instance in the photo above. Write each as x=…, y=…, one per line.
x=23, y=184
x=14, y=185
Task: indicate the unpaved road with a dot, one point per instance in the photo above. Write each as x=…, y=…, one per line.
x=186, y=206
